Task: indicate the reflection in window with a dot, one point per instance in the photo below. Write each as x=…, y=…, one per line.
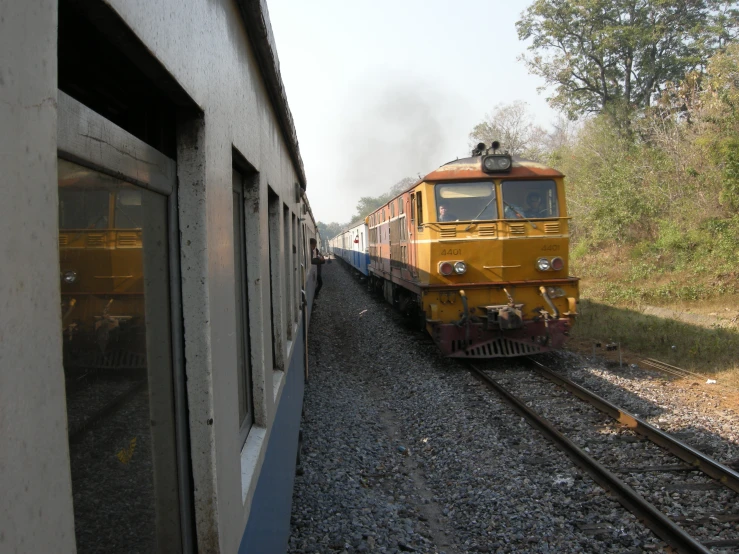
x=466, y=201
x=242, y=329
x=117, y=363
x=83, y=208
x=530, y=199
x=128, y=211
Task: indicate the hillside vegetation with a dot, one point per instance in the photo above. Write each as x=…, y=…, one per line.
x=655, y=222
x=655, y=202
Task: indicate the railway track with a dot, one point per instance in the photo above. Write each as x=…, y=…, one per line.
x=684, y=496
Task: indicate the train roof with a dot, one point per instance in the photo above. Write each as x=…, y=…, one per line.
x=471, y=168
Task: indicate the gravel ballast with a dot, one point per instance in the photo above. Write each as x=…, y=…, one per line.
x=405, y=451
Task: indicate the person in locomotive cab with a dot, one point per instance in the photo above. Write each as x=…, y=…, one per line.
x=318, y=260
x=535, y=206
x=445, y=214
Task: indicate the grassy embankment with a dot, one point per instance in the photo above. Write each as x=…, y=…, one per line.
x=655, y=222
x=702, y=335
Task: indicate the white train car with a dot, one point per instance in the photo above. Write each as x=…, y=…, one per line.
x=156, y=281
x=352, y=247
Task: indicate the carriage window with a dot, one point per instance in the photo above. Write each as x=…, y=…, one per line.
x=287, y=283
x=413, y=207
x=117, y=357
x=466, y=201
x=419, y=208
x=530, y=199
x=241, y=307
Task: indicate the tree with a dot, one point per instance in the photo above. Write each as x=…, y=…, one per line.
x=329, y=230
x=368, y=204
x=513, y=127
x=616, y=55
x=402, y=185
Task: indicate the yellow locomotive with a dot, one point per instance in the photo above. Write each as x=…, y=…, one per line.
x=479, y=248
x=100, y=251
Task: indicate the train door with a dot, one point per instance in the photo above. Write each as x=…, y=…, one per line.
x=411, y=226
x=122, y=355
x=388, y=242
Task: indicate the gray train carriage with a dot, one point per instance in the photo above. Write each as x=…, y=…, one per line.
x=156, y=284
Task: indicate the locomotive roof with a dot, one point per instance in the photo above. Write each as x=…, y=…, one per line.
x=471, y=168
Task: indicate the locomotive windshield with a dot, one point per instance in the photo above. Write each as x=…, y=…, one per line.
x=529, y=199
x=466, y=201
x=81, y=208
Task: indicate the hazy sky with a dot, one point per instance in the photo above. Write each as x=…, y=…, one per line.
x=381, y=90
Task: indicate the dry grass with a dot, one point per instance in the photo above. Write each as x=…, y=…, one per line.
x=712, y=351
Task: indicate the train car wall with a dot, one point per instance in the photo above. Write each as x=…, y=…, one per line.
x=199, y=83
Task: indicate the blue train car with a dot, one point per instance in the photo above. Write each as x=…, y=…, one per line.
x=352, y=247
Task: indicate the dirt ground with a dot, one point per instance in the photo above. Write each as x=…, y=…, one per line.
x=725, y=395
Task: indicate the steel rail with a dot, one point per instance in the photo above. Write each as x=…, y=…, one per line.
x=663, y=527
x=688, y=454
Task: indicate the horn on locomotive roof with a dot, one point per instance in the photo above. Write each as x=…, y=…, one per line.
x=479, y=149
x=495, y=146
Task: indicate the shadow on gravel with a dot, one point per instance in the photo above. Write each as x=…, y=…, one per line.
x=406, y=451
x=676, y=342
x=696, y=436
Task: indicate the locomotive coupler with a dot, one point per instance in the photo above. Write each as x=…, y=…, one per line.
x=504, y=318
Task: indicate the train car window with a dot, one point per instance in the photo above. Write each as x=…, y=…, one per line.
x=296, y=278
x=419, y=207
x=242, y=329
x=530, y=199
x=287, y=284
x=466, y=201
x=274, y=214
x=413, y=207
x=118, y=362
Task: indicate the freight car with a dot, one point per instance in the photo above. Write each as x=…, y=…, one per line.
x=478, y=251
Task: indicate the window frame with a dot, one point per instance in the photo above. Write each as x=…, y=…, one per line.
x=244, y=347
x=86, y=138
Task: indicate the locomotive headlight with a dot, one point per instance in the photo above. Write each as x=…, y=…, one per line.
x=496, y=163
x=555, y=292
x=542, y=264
x=69, y=277
x=557, y=264
x=445, y=268
x=460, y=267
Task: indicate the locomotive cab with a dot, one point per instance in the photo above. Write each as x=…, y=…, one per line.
x=487, y=256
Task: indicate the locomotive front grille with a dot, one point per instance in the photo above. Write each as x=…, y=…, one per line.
x=127, y=240
x=63, y=239
x=517, y=229
x=500, y=347
x=551, y=228
x=486, y=230
x=447, y=232
x=96, y=240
